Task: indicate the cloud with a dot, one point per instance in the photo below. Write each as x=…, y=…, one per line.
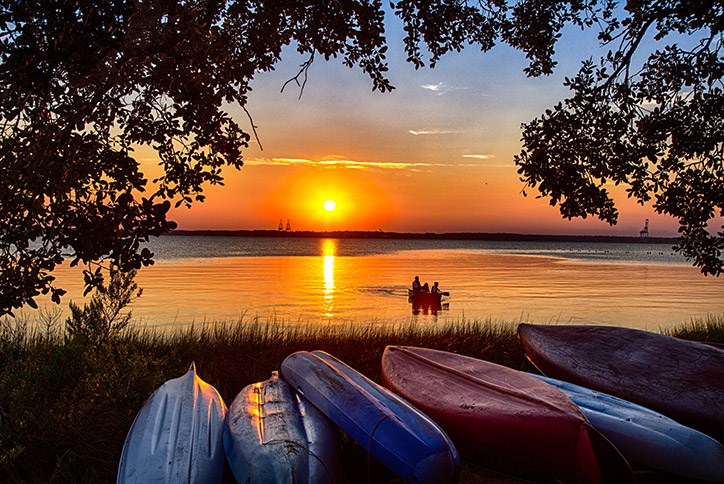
x=278, y=161
x=434, y=132
x=339, y=163
x=433, y=87
x=441, y=88
x=387, y=165
x=486, y=165
x=480, y=157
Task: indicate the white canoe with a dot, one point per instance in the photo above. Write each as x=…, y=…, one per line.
x=648, y=437
x=273, y=435
x=177, y=435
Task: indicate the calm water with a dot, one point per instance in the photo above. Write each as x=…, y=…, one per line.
x=312, y=281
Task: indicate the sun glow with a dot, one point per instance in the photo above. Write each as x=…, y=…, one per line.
x=306, y=196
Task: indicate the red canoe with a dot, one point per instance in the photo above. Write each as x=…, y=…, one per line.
x=503, y=419
x=681, y=379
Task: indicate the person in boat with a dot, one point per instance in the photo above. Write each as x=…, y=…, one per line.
x=426, y=288
x=416, y=286
x=435, y=288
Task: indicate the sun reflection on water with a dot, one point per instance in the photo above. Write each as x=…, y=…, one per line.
x=329, y=251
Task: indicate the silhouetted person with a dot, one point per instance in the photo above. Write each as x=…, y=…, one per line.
x=425, y=287
x=435, y=289
x=416, y=286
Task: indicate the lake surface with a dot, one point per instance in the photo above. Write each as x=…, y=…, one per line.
x=349, y=281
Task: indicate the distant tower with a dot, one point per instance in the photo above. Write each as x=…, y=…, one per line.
x=644, y=234
x=289, y=226
x=281, y=227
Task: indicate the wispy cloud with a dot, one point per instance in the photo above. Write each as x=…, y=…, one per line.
x=480, y=157
x=387, y=165
x=441, y=88
x=339, y=163
x=277, y=161
x=487, y=159
x=425, y=132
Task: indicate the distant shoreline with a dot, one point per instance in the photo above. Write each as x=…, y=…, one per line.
x=361, y=234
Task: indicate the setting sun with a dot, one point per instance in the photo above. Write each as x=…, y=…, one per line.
x=305, y=196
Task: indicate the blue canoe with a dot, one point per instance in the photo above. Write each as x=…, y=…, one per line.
x=680, y=379
x=177, y=435
x=648, y=437
x=272, y=434
x=390, y=429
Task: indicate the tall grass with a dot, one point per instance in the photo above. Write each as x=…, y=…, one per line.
x=67, y=399
x=709, y=329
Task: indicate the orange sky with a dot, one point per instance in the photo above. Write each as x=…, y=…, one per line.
x=435, y=155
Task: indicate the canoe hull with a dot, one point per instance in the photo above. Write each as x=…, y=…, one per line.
x=503, y=419
x=392, y=431
x=680, y=379
x=272, y=434
x=648, y=437
x=424, y=298
x=177, y=435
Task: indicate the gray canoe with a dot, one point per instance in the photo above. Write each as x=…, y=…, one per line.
x=648, y=437
x=177, y=435
x=683, y=380
x=274, y=435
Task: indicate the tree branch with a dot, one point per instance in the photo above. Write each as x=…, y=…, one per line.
x=253, y=126
x=302, y=71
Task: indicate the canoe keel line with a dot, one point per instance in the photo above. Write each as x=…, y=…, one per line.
x=680, y=379
x=395, y=433
x=177, y=435
x=648, y=437
x=502, y=419
x=272, y=434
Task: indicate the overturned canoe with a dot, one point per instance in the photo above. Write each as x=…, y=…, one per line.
x=272, y=434
x=390, y=429
x=648, y=437
x=503, y=419
x=177, y=435
x=681, y=379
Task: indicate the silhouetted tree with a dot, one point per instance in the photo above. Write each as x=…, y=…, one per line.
x=655, y=128
x=85, y=84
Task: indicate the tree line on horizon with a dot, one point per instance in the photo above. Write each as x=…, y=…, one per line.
x=380, y=234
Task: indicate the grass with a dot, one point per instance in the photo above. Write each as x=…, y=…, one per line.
x=709, y=329
x=67, y=399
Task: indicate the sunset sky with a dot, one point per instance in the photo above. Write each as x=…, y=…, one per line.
x=434, y=155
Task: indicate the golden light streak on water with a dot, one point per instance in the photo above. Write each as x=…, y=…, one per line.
x=329, y=251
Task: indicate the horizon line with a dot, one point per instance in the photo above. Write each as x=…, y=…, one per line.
x=378, y=234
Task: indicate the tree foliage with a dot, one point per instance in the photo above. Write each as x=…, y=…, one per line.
x=88, y=87
x=656, y=129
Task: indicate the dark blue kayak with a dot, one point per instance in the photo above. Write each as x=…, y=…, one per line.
x=390, y=429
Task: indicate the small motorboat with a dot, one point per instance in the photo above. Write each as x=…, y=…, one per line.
x=426, y=302
x=425, y=298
